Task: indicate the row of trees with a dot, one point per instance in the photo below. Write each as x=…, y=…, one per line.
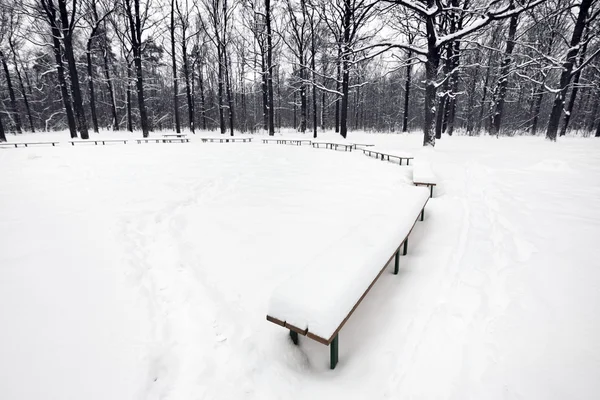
x=501, y=66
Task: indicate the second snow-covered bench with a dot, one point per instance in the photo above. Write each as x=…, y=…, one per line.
x=423, y=174
x=318, y=300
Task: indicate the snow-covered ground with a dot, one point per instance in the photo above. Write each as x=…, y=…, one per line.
x=144, y=271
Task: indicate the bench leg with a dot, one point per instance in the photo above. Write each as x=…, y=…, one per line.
x=431, y=191
x=397, y=263
x=405, y=250
x=422, y=214
x=294, y=337
x=408, y=161
x=333, y=350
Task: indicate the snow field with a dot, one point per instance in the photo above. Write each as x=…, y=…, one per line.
x=145, y=271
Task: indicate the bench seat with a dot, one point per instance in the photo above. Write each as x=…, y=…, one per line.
x=318, y=300
x=26, y=144
x=225, y=139
x=423, y=175
x=388, y=154
x=96, y=141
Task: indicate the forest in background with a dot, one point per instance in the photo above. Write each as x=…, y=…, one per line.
x=503, y=67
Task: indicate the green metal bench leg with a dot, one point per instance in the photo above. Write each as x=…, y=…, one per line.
x=430, y=191
x=405, y=250
x=397, y=263
x=333, y=349
x=294, y=336
x=422, y=214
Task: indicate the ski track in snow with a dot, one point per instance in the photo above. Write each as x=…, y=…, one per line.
x=478, y=310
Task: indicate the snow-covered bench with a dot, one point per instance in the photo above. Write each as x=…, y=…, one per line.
x=318, y=300
x=333, y=145
x=297, y=142
x=96, y=141
x=26, y=144
x=387, y=154
x=423, y=174
x=226, y=139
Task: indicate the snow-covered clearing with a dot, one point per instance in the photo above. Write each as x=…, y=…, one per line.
x=144, y=271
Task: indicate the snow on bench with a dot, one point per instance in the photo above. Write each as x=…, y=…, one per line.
x=423, y=174
x=318, y=300
x=96, y=141
x=333, y=145
x=26, y=144
x=294, y=141
x=170, y=139
x=385, y=154
x=225, y=139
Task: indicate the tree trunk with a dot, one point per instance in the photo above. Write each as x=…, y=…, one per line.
x=270, y=68
x=313, y=61
x=174, y=68
x=22, y=86
x=60, y=69
x=2, y=134
x=129, y=116
x=407, y=92
x=265, y=92
x=111, y=92
x=13, y=101
x=135, y=25
x=431, y=70
x=500, y=94
x=337, y=88
x=574, y=92
x=201, y=88
x=82, y=125
x=565, y=76
x=345, y=65
x=228, y=90
x=90, y=73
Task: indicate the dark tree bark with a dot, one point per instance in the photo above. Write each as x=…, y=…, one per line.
x=111, y=92
x=188, y=88
x=50, y=15
x=67, y=25
x=500, y=94
x=90, y=72
x=202, y=99
x=21, y=84
x=271, y=101
x=135, y=27
x=228, y=91
x=313, y=51
x=431, y=72
x=345, y=64
x=407, y=92
x=567, y=71
x=129, y=80
x=2, y=134
x=574, y=91
x=338, y=81
x=13, y=101
x=174, y=67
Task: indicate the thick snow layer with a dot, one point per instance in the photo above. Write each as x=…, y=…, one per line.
x=320, y=295
x=145, y=271
x=422, y=166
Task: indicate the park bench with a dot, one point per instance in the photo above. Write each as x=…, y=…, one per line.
x=96, y=141
x=175, y=135
x=26, y=144
x=423, y=175
x=357, y=145
x=318, y=300
x=333, y=145
x=297, y=142
x=226, y=139
x=387, y=155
